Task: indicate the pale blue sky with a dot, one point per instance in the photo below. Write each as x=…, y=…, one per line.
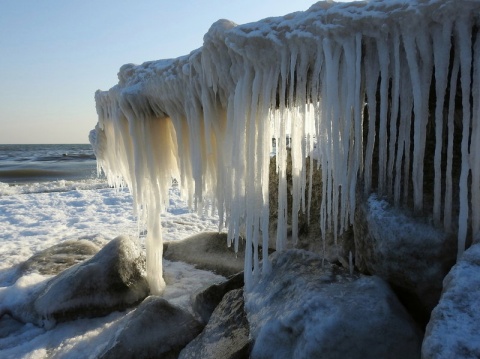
x=54, y=54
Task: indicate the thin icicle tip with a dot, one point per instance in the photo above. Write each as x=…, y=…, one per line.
x=356, y=77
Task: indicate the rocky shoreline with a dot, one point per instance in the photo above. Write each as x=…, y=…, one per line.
x=305, y=307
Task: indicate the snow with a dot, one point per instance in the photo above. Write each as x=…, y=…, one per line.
x=207, y=118
x=33, y=220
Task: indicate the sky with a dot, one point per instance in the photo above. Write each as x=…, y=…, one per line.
x=54, y=54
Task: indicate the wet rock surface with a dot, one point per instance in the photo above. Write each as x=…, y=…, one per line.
x=302, y=309
x=208, y=251
x=156, y=329
x=205, y=302
x=226, y=335
x=408, y=252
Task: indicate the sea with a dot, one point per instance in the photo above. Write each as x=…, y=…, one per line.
x=20, y=164
x=50, y=194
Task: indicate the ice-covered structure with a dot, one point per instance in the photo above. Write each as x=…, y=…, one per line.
x=367, y=87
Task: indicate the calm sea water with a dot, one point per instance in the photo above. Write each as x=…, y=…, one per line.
x=21, y=164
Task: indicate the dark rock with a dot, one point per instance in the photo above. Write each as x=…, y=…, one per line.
x=9, y=326
x=306, y=309
x=208, y=251
x=410, y=254
x=226, y=334
x=113, y=279
x=205, y=302
x=454, y=327
x=156, y=329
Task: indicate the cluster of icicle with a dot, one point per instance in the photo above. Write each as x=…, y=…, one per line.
x=208, y=119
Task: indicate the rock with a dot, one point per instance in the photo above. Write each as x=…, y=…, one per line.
x=226, y=334
x=205, y=302
x=303, y=310
x=208, y=251
x=409, y=253
x=59, y=257
x=454, y=327
x=156, y=329
x=9, y=326
x=113, y=279
x=17, y=300
x=52, y=260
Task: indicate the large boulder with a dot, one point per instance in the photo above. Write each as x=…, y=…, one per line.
x=113, y=279
x=208, y=251
x=205, y=302
x=226, y=334
x=156, y=329
x=305, y=308
x=406, y=251
x=454, y=327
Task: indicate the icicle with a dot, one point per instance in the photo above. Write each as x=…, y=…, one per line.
x=447, y=217
x=384, y=98
x=475, y=143
x=371, y=79
x=420, y=77
x=295, y=146
x=154, y=248
x=464, y=43
x=395, y=94
x=441, y=52
x=282, y=158
x=331, y=113
x=357, y=151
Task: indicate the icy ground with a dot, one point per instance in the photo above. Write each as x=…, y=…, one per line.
x=35, y=217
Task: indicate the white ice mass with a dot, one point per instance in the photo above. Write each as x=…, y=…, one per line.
x=366, y=87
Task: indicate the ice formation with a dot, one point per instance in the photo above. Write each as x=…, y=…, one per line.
x=366, y=86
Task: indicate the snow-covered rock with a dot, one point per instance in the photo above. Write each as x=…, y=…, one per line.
x=407, y=252
x=454, y=327
x=113, y=279
x=303, y=310
x=205, y=302
x=207, y=251
x=156, y=329
x=59, y=257
x=226, y=334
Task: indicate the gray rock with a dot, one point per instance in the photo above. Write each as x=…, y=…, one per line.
x=301, y=310
x=407, y=252
x=156, y=329
x=226, y=334
x=59, y=257
x=52, y=260
x=208, y=251
x=113, y=279
x=205, y=302
x=454, y=327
